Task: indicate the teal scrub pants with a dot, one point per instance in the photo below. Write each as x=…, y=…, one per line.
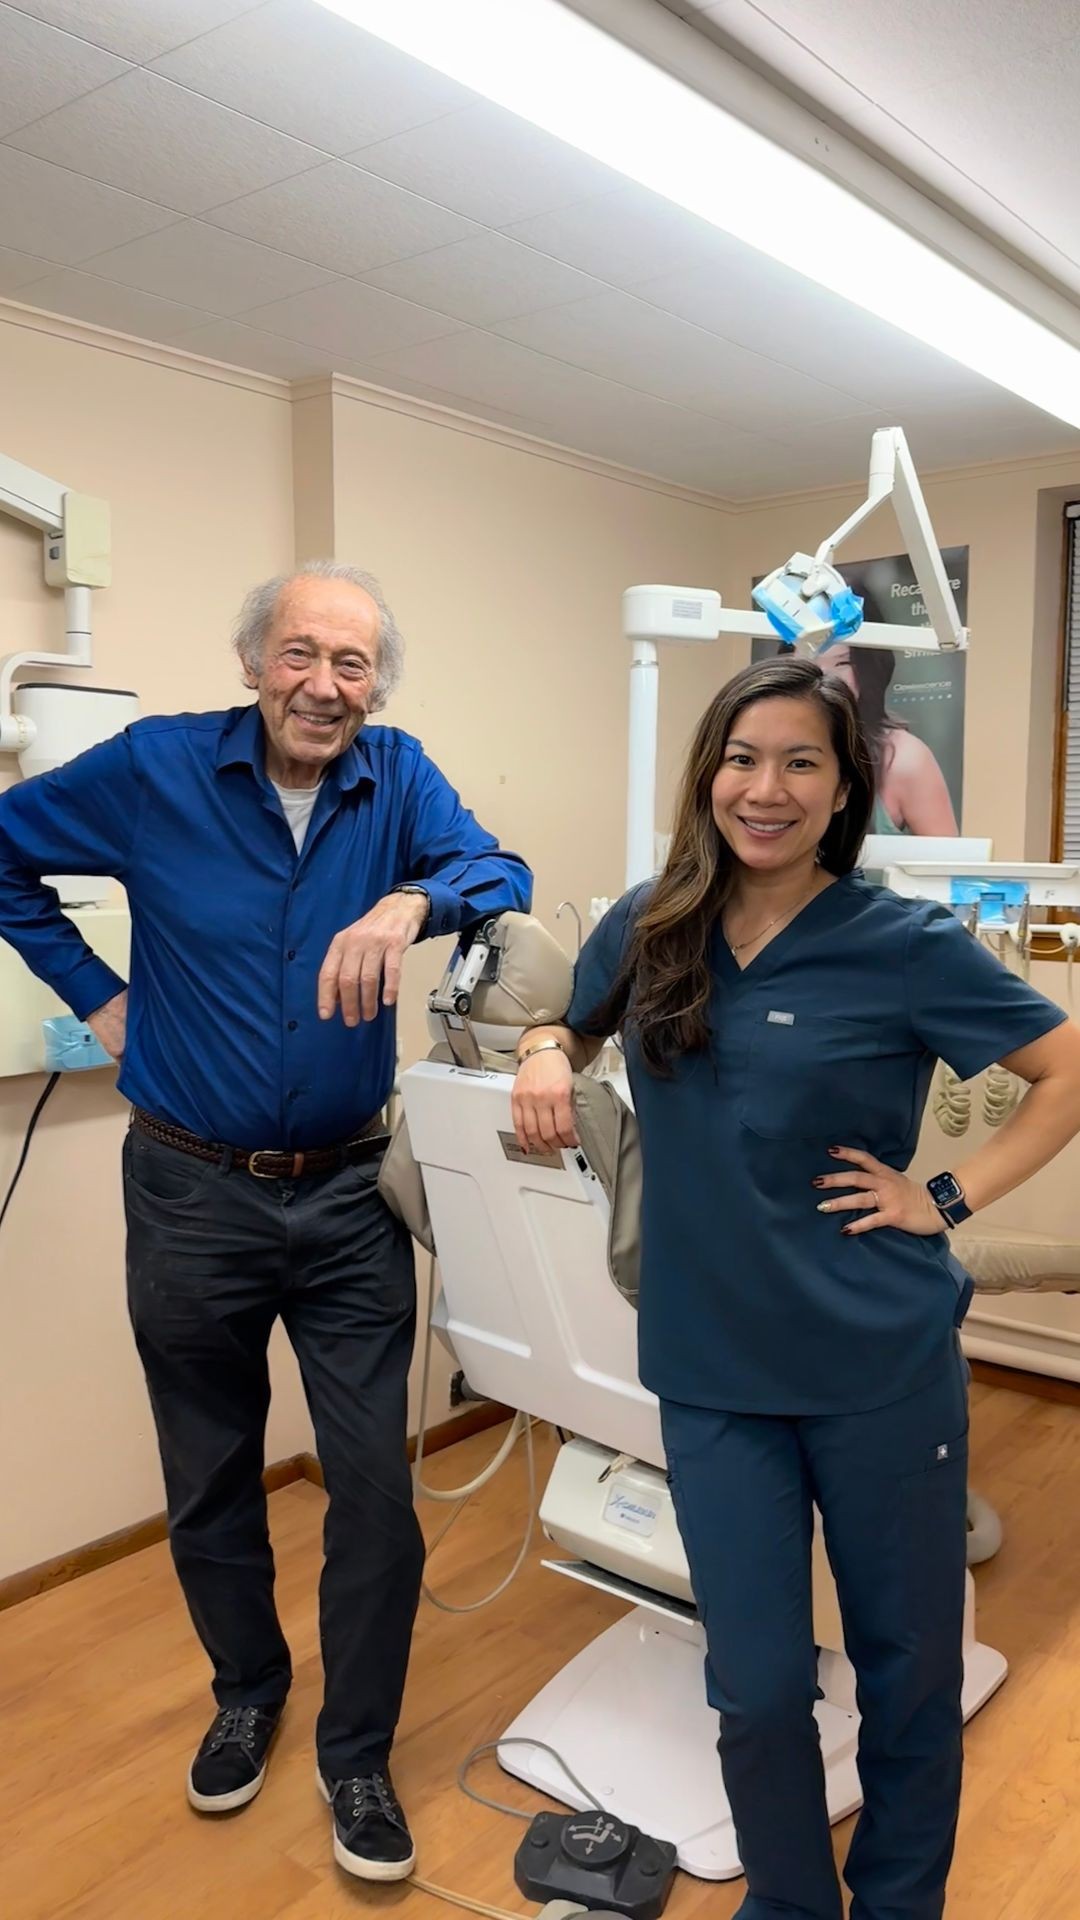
x=891, y=1487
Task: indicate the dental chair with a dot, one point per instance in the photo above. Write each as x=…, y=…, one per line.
x=538, y=1257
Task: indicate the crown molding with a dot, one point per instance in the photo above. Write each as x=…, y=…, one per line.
x=454, y=420
x=105, y=340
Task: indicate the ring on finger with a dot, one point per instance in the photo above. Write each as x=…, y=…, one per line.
x=872, y=1196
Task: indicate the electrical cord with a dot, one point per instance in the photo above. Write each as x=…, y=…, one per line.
x=518, y=1740
x=497, y=1806
x=521, y=1424
x=28, y=1136
x=951, y=1103
x=461, y=1900
x=1001, y=1095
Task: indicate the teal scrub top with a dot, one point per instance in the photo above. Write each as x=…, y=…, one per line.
x=752, y=1301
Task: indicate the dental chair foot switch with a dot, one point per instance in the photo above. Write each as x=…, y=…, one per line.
x=596, y=1861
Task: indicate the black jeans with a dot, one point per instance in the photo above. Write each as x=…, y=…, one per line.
x=213, y=1258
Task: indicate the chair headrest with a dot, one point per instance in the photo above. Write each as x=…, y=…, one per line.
x=534, y=977
x=533, y=984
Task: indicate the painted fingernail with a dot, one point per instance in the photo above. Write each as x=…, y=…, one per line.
x=825, y=1206
x=836, y=1151
x=846, y=1231
x=819, y=1182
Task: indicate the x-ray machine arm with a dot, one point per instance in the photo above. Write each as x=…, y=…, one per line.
x=652, y=614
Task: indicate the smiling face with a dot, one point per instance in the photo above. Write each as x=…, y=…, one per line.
x=778, y=784
x=316, y=677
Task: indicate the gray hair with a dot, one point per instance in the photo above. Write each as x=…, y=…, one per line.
x=257, y=613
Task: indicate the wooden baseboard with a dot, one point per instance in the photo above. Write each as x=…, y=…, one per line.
x=476, y=1419
x=148, y=1533
x=119, y=1545
x=1041, y=1386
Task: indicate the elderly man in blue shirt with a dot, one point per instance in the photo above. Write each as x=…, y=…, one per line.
x=279, y=859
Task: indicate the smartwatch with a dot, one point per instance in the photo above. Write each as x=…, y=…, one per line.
x=948, y=1197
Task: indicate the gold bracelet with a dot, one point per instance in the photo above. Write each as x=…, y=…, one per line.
x=542, y=1046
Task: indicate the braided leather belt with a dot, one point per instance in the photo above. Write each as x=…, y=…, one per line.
x=267, y=1163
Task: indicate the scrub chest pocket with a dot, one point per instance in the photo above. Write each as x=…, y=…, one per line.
x=807, y=1078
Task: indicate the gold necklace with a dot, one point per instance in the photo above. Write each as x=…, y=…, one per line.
x=739, y=946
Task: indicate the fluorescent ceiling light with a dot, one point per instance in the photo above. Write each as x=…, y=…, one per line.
x=548, y=65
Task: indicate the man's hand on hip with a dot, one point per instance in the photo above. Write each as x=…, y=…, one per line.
x=370, y=951
x=109, y=1025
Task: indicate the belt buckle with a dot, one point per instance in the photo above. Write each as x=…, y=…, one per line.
x=262, y=1153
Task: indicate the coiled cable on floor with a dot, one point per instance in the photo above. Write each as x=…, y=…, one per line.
x=520, y=1424
x=951, y=1102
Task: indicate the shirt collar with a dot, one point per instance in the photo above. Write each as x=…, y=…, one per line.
x=243, y=745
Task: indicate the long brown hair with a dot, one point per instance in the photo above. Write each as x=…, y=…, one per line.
x=666, y=973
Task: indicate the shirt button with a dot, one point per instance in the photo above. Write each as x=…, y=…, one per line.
x=291, y=955
x=293, y=1024
x=294, y=1093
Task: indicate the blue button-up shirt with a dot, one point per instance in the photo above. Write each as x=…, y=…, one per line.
x=229, y=925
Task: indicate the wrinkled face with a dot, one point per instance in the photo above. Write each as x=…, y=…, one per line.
x=778, y=784
x=319, y=666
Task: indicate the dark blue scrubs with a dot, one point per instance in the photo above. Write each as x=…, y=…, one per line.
x=794, y=1366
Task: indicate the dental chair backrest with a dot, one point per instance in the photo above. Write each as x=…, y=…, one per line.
x=527, y=980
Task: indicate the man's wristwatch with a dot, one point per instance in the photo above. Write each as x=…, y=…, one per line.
x=948, y=1197
x=407, y=886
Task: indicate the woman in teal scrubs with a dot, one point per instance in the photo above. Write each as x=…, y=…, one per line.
x=799, y=1302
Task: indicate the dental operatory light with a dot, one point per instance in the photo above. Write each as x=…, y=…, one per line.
x=562, y=73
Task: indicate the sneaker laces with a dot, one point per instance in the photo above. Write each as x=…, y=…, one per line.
x=365, y=1794
x=234, y=1726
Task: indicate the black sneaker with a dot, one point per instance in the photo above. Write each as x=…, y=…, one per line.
x=230, y=1766
x=371, y=1835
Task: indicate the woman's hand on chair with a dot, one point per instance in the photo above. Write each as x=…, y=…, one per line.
x=881, y=1197
x=542, y=1102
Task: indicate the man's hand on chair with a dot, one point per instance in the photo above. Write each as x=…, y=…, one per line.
x=367, y=953
x=109, y=1024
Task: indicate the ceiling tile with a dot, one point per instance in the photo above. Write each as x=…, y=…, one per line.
x=240, y=346
x=765, y=306
x=65, y=216
x=158, y=140
x=622, y=338
x=137, y=29
x=624, y=237
x=576, y=408
x=490, y=165
x=21, y=269
x=350, y=320
x=954, y=435
x=1016, y=134
x=343, y=219
x=484, y=279
x=41, y=69
x=312, y=74
x=82, y=296
x=203, y=267
x=875, y=43
x=744, y=466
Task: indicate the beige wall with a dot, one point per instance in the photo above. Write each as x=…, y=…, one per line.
x=505, y=568
x=198, y=476
x=1011, y=520
x=505, y=565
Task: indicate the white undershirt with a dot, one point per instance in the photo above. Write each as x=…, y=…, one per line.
x=298, y=805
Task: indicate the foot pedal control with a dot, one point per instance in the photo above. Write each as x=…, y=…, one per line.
x=596, y=1861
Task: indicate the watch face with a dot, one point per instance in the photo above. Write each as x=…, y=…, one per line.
x=944, y=1190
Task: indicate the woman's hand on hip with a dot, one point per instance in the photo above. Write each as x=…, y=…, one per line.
x=542, y=1102
x=877, y=1196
